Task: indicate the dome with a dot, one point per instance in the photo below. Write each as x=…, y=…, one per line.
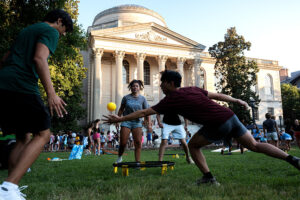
x=127, y=15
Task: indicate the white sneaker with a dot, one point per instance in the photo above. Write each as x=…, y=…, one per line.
x=119, y=159
x=10, y=193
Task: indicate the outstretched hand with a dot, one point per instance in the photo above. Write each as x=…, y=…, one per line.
x=243, y=103
x=57, y=104
x=110, y=119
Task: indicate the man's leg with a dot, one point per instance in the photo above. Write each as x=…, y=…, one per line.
x=21, y=142
x=162, y=148
x=186, y=151
x=26, y=158
x=266, y=148
x=195, y=144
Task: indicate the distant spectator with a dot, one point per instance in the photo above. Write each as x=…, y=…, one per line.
x=271, y=130
x=296, y=129
x=102, y=139
x=285, y=139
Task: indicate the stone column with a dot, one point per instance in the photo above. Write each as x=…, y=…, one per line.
x=90, y=86
x=197, y=64
x=97, y=90
x=119, y=55
x=140, y=57
x=180, y=63
x=161, y=67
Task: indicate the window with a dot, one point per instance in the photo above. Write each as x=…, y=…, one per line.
x=202, y=79
x=268, y=85
x=125, y=72
x=271, y=110
x=146, y=73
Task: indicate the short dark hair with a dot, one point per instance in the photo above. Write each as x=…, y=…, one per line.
x=268, y=115
x=54, y=15
x=169, y=75
x=136, y=81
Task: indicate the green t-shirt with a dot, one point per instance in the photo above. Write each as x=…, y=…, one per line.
x=19, y=72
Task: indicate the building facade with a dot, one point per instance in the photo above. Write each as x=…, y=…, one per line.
x=132, y=42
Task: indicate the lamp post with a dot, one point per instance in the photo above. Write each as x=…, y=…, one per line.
x=280, y=118
x=252, y=104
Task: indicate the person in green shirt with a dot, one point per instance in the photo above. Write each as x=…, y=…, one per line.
x=20, y=101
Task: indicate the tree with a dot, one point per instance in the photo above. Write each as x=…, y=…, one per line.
x=66, y=65
x=290, y=101
x=236, y=75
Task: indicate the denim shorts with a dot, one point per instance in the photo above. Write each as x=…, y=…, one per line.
x=231, y=128
x=132, y=124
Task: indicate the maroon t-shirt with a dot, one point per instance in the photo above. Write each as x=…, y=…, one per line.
x=193, y=104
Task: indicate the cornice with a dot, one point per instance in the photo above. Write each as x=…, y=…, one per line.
x=152, y=25
x=144, y=42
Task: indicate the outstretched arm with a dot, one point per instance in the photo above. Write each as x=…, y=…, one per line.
x=140, y=113
x=226, y=98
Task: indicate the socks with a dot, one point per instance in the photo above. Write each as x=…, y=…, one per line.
x=293, y=160
x=207, y=175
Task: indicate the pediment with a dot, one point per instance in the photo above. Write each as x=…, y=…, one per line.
x=149, y=32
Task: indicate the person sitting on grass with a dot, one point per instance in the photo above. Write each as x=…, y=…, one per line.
x=285, y=139
x=197, y=105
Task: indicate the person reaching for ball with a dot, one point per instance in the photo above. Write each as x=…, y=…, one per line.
x=197, y=105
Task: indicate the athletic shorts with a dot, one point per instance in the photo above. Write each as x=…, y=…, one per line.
x=272, y=136
x=131, y=124
x=96, y=136
x=149, y=136
x=177, y=131
x=231, y=128
x=22, y=113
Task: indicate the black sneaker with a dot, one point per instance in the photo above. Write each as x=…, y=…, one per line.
x=296, y=162
x=211, y=181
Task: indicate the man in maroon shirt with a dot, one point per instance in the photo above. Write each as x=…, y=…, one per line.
x=218, y=122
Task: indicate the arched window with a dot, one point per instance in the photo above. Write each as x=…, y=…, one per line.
x=146, y=73
x=202, y=79
x=268, y=85
x=125, y=72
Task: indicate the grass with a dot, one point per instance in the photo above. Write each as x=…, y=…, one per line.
x=249, y=176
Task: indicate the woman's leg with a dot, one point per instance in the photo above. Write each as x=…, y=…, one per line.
x=124, y=135
x=137, y=138
x=98, y=143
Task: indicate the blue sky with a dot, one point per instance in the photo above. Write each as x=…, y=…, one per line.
x=272, y=26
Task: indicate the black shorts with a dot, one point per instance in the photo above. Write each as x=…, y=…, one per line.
x=232, y=128
x=22, y=113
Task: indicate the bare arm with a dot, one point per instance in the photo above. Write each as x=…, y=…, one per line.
x=226, y=98
x=159, y=121
x=131, y=116
x=4, y=58
x=42, y=68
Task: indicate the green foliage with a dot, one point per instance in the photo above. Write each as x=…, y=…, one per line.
x=290, y=101
x=235, y=74
x=66, y=65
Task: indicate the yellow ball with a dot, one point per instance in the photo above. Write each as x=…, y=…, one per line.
x=111, y=106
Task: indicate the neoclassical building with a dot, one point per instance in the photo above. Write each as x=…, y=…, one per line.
x=132, y=42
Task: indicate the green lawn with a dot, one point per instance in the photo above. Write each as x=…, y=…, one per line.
x=249, y=176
